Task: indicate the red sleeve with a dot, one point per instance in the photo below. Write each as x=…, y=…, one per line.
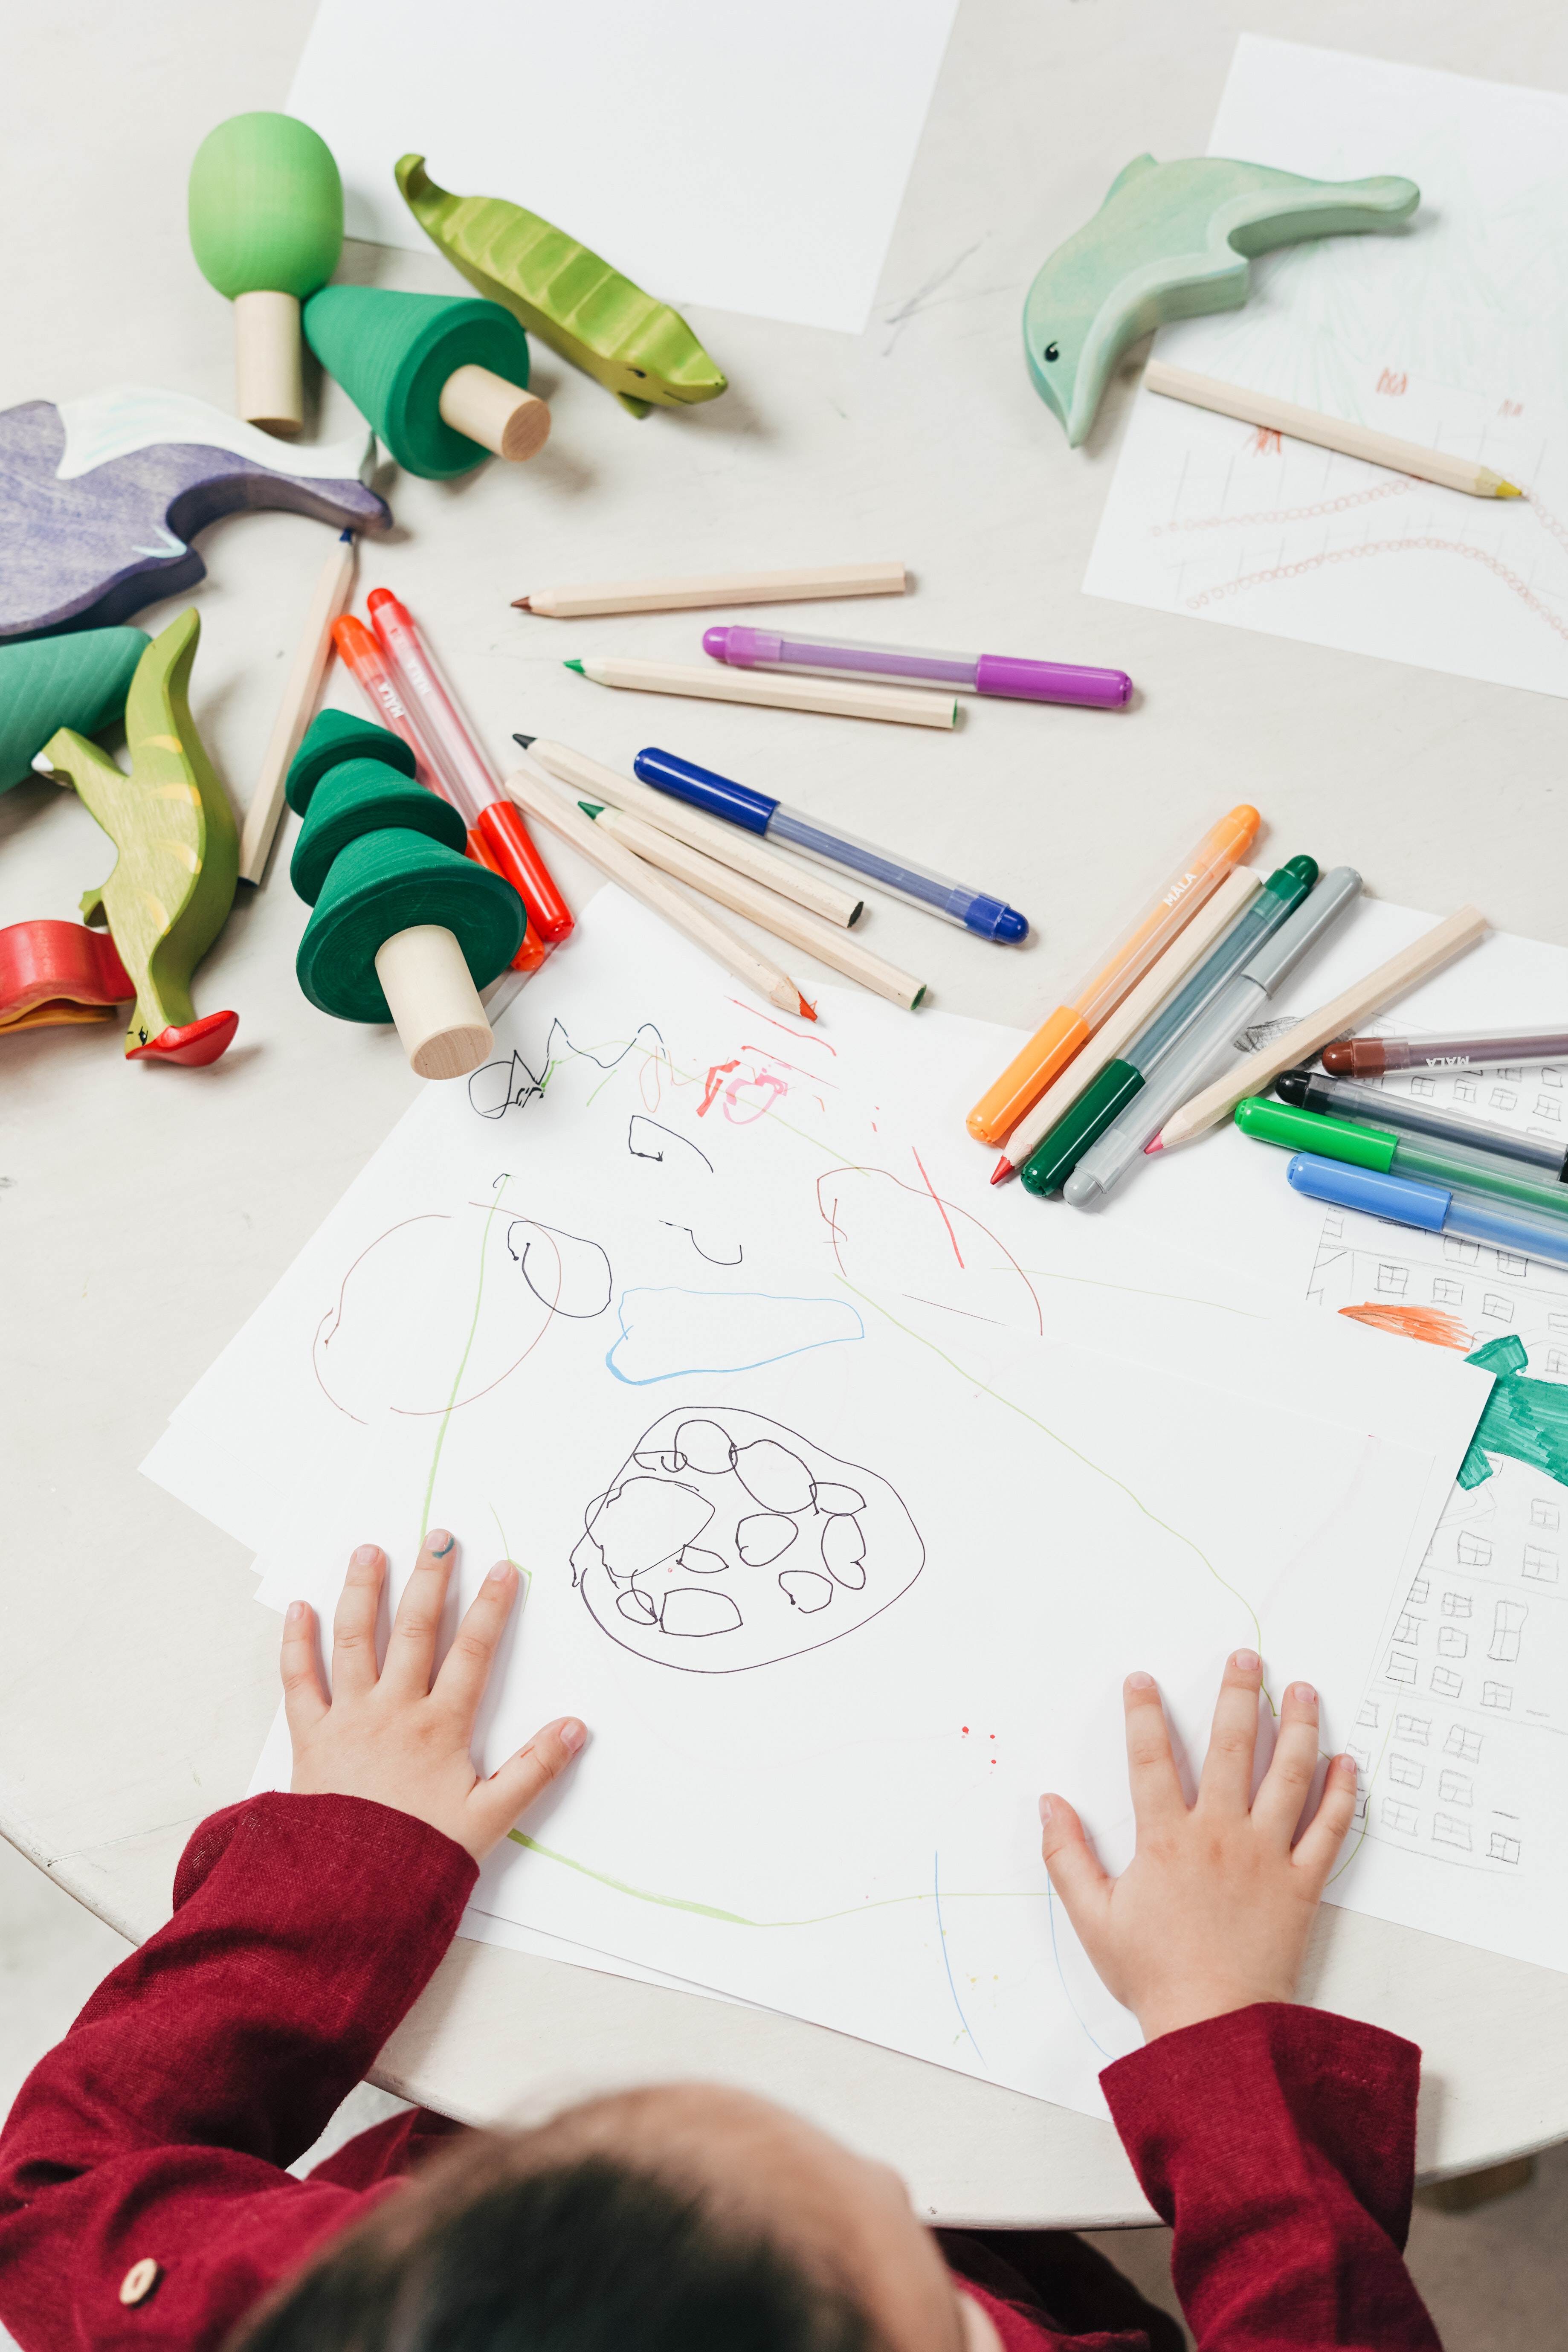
x=304, y=1927
x=1281, y=2143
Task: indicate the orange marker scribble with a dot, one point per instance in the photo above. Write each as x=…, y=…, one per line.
x=1266, y=443
x=1427, y=1323
x=1510, y=408
x=1390, y=381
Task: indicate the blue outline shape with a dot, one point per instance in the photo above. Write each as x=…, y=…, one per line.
x=947, y=1964
x=686, y=1371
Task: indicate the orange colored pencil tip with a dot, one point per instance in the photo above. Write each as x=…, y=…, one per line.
x=1003, y=1169
x=807, y=1011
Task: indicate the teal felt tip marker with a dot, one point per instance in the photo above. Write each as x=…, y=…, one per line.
x=1058, y=1151
x=1458, y=1168
x=1434, y=1210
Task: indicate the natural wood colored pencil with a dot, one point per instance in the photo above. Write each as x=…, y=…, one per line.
x=1189, y=947
x=1328, y=432
x=683, y=595
x=730, y=843
x=712, y=682
x=300, y=692
x=533, y=790
x=1412, y=965
x=742, y=897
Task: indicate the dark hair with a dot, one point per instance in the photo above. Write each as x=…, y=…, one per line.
x=589, y=2254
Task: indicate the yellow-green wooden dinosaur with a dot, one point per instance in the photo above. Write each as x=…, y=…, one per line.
x=174, y=881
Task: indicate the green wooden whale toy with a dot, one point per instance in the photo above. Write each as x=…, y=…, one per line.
x=640, y=350
x=1170, y=241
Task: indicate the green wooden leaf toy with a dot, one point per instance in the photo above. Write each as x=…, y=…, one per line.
x=1170, y=241
x=637, y=348
x=78, y=680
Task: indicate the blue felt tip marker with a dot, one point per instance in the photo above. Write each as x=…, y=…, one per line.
x=793, y=829
x=1405, y=1202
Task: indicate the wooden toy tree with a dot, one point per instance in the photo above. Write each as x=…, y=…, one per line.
x=442, y=377
x=267, y=228
x=406, y=929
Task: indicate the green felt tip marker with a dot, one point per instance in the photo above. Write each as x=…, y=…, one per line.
x=1060, y=1151
x=1454, y=1165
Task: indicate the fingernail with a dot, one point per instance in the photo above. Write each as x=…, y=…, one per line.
x=294, y=1612
x=366, y=1555
x=500, y=1571
x=438, y=1543
x=1247, y=1661
x=572, y=1734
x=1345, y=1766
x=1140, y=1681
x=1045, y=1811
x=1304, y=1695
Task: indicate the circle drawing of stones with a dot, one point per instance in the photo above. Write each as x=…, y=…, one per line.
x=727, y=1541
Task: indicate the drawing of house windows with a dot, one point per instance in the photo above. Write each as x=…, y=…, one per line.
x=1495, y=1304
x=1446, y=1830
x=1543, y=1514
x=1500, y=1848
x=1461, y=1253
x=1464, y=1744
x=1416, y=1728
x=1551, y=1076
x=1556, y=1361
x=1401, y=1666
x=1454, y=1789
x=1447, y=1292
x=1509, y=1261
x=1503, y=1098
x=1361, y=1758
x=1541, y=1565
x=1497, y=1695
x=1403, y=1818
x=1457, y=1605
x=1474, y=1551
x=1423, y=1085
x=1404, y=1772
x=1407, y=1630
x=1507, y=1618
x=1558, y=1322
x=1417, y=1596
x=1546, y=1109
x=1464, y=1090
x=1446, y=1682
x=1514, y=1077
x=1393, y=1281
x=1367, y=1718
x=1451, y=1643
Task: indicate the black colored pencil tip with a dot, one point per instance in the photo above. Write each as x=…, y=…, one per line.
x=525, y=740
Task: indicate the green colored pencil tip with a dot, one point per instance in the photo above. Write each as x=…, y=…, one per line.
x=592, y=808
x=576, y=666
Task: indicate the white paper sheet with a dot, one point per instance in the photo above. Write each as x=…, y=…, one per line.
x=813, y=1784
x=729, y=157
x=1452, y=333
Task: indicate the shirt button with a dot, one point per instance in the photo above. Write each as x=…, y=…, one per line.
x=139, y=2281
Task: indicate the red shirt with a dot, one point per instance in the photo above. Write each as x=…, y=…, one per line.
x=1280, y=2141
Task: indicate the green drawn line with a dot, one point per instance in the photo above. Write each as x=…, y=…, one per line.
x=462, y=1367
x=737, y=1919
x=526, y=1574
x=1136, y=1290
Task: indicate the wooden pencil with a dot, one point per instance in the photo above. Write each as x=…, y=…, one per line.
x=301, y=689
x=743, y=897
x=1274, y=415
x=1254, y=1075
x=712, y=682
x=730, y=843
x=533, y=790
x=683, y=595
x=1191, y=944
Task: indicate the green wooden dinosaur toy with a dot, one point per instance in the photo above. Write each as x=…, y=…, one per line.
x=1171, y=240
x=174, y=881
x=640, y=350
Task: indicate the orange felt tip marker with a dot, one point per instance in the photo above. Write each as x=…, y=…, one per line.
x=1053, y=1045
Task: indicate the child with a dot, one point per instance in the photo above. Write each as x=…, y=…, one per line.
x=142, y=2195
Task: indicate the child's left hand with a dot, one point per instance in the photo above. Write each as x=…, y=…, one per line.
x=393, y=1735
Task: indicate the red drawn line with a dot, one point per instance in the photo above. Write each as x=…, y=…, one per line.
x=930, y=1188
x=789, y=1066
x=802, y=1037
x=711, y=1091
x=1385, y=547
x=1287, y=514
x=1547, y=519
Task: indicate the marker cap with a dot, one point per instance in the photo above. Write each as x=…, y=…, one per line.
x=1394, y=1197
x=1281, y=955
x=718, y=795
x=1310, y=1131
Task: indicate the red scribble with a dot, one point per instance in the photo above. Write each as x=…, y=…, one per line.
x=801, y=1036
x=1547, y=519
x=1394, y=382
x=711, y=1091
x=1509, y=578
x=984, y=1231
x=1266, y=443
x=779, y=1087
x=790, y=1066
x=946, y=1220
x=1287, y=514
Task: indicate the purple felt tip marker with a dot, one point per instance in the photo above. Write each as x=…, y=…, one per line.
x=1025, y=681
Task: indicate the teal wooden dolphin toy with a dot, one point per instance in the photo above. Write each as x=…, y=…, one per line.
x=1171, y=240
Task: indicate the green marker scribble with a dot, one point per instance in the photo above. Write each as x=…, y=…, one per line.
x=1525, y=1420
x=526, y=1574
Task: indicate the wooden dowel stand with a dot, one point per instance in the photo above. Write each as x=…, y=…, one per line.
x=434, y=1002
x=514, y=424
x=267, y=374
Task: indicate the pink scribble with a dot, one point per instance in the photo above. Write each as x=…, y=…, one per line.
x=1390, y=381
x=1287, y=514
x=1297, y=571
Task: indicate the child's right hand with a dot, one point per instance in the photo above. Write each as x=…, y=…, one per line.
x=393, y=1734
x=1214, y=1911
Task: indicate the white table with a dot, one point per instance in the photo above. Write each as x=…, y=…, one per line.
x=147, y=1211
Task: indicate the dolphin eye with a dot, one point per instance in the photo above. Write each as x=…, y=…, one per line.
x=1051, y=352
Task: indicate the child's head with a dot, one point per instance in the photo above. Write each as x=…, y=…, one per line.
x=671, y=2220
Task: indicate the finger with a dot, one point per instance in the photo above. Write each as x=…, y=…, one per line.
x=1320, y=1842
x=1150, y=1766
x=1277, y=1808
x=466, y=1668
x=496, y=1803
x=353, y=1622
x=411, y=1651
x=1224, y=1784
x=304, y=1699
x=1075, y=1872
